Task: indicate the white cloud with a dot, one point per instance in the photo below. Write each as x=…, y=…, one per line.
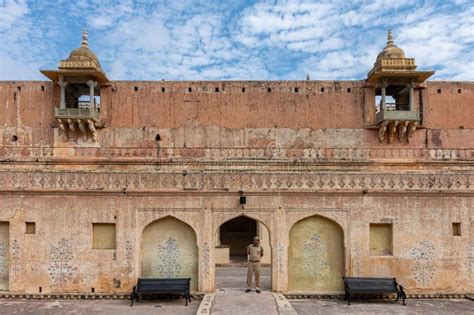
x=203, y=40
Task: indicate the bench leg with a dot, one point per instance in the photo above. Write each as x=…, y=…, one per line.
x=349, y=297
x=132, y=297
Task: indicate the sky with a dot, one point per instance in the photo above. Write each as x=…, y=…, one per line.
x=236, y=39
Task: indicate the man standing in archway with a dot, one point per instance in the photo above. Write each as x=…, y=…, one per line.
x=254, y=255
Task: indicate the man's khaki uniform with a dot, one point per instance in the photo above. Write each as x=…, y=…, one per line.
x=255, y=253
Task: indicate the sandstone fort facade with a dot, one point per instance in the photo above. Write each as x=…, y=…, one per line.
x=102, y=182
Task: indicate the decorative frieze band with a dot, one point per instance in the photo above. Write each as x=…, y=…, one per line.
x=304, y=181
x=272, y=152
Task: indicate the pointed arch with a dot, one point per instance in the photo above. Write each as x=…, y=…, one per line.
x=169, y=249
x=316, y=255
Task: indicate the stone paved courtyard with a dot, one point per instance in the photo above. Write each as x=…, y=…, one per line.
x=230, y=298
x=304, y=307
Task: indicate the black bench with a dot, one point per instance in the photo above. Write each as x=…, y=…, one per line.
x=148, y=286
x=357, y=285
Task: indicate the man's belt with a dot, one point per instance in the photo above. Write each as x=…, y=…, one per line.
x=254, y=261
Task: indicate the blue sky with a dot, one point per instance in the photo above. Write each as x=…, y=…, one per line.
x=236, y=40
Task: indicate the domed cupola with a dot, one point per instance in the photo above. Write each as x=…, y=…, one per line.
x=395, y=81
x=80, y=79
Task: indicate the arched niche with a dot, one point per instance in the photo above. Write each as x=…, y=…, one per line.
x=169, y=249
x=316, y=255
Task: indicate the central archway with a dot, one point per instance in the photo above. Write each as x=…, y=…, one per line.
x=232, y=239
x=169, y=250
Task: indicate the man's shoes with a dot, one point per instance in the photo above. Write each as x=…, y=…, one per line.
x=247, y=291
x=258, y=291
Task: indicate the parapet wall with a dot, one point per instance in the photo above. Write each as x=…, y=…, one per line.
x=236, y=114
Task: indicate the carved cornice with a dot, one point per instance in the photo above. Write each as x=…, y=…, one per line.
x=147, y=154
x=332, y=182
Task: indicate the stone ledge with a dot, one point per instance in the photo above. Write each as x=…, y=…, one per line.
x=76, y=296
x=297, y=296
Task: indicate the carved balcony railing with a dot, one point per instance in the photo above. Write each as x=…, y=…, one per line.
x=397, y=115
x=78, y=113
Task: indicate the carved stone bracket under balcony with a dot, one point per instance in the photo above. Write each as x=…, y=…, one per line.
x=406, y=129
x=78, y=121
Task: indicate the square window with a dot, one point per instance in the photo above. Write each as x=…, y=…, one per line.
x=103, y=235
x=456, y=229
x=30, y=228
x=381, y=239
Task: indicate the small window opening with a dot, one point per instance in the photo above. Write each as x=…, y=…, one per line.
x=456, y=229
x=42, y=88
x=190, y=89
x=136, y=88
x=322, y=90
x=269, y=89
x=217, y=89
x=157, y=138
x=243, y=90
x=348, y=90
x=14, y=138
x=439, y=91
x=30, y=228
x=19, y=88
x=297, y=90
x=92, y=290
x=459, y=91
x=163, y=89
x=40, y=289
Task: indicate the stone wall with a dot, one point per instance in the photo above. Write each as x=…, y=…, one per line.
x=293, y=153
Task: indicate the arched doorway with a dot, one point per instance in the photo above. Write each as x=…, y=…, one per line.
x=169, y=250
x=316, y=255
x=232, y=239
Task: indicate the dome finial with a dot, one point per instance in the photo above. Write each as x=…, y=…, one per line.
x=389, y=37
x=84, y=38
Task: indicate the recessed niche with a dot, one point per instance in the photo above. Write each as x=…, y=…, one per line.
x=103, y=235
x=439, y=91
x=136, y=88
x=297, y=90
x=190, y=89
x=217, y=89
x=163, y=90
x=459, y=91
x=380, y=239
x=456, y=229
x=14, y=138
x=30, y=228
x=322, y=90
x=269, y=89
x=42, y=88
x=243, y=90
x=348, y=90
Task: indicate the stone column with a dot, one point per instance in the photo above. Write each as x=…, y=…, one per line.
x=91, y=85
x=62, y=85
x=384, y=104
x=410, y=96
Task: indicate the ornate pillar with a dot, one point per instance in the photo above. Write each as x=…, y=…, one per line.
x=280, y=252
x=206, y=277
x=62, y=85
x=92, y=85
